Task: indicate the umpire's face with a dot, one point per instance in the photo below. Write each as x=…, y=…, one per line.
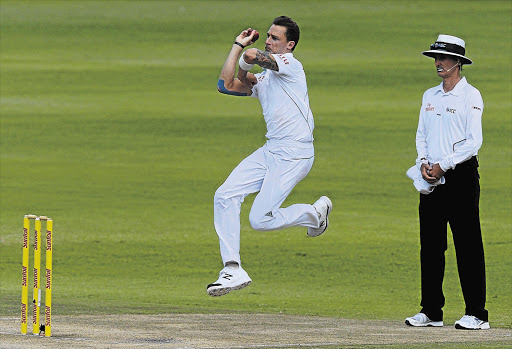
x=276, y=40
x=446, y=65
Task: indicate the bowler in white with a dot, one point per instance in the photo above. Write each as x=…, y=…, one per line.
x=284, y=160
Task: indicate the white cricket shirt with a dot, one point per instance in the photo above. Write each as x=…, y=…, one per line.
x=450, y=125
x=284, y=99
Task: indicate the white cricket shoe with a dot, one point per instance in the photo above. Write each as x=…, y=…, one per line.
x=469, y=322
x=323, y=207
x=230, y=279
x=422, y=320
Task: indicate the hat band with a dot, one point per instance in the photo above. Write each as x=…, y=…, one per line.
x=443, y=46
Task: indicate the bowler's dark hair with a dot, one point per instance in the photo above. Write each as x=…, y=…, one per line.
x=292, y=29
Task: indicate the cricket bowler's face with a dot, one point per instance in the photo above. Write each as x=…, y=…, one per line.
x=276, y=40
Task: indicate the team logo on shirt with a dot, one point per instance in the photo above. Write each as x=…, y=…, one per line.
x=449, y=110
x=476, y=108
x=429, y=107
x=285, y=60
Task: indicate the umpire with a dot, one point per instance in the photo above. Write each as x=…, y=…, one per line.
x=448, y=138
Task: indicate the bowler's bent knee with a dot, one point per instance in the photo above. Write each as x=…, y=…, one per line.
x=260, y=221
x=221, y=198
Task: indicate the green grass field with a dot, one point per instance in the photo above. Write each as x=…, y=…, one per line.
x=111, y=124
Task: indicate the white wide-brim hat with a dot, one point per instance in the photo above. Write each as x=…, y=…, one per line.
x=449, y=45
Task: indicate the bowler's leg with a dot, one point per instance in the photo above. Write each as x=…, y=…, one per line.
x=280, y=178
x=245, y=179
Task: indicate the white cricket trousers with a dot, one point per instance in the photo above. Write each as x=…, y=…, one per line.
x=273, y=170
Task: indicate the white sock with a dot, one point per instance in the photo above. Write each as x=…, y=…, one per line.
x=232, y=265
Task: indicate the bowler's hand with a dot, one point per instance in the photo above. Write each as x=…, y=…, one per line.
x=245, y=38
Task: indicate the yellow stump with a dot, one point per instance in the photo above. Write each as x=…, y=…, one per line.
x=37, y=276
x=48, y=291
x=24, y=274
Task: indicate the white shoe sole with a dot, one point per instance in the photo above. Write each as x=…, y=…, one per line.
x=484, y=326
x=217, y=291
x=414, y=323
x=314, y=232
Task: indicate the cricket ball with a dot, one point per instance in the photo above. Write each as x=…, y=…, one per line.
x=256, y=35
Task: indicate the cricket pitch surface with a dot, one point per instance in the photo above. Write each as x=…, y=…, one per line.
x=238, y=331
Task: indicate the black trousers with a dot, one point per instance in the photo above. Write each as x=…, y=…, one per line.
x=456, y=202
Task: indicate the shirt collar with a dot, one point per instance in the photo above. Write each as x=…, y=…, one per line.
x=456, y=90
x=284, y=54
x=459, y=87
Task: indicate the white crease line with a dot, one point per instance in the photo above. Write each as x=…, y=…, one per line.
x=30, y=335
